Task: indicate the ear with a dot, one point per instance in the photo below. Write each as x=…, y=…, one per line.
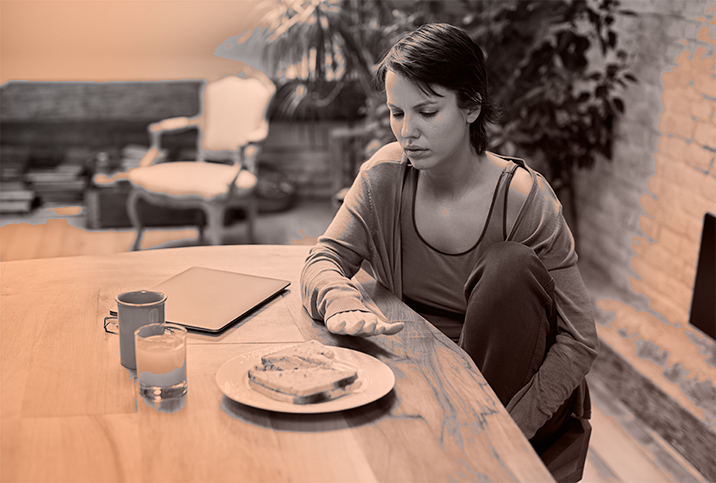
x=473, y=112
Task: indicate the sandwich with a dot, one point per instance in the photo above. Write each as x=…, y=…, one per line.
x=303, y=386
x=301, y=356
x=302, y=374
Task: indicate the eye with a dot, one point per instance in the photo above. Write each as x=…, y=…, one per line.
x=396, y=114
x=428, y=113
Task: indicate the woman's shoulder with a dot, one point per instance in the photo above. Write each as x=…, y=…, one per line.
x=387, y=163
x=523, y=180
x=389, y=155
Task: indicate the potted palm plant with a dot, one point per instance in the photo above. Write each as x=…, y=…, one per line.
x=559, y=75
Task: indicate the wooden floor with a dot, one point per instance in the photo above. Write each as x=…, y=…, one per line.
x=622, y=448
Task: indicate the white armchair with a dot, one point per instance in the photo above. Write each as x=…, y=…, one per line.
x=231, y=125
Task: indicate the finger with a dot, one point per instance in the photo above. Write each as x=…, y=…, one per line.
x=394, y=328
x=336, y=325
x=354, y=327
x=370, y=326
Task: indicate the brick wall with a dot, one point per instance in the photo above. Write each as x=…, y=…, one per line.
x=640, y=223
x=641, y=214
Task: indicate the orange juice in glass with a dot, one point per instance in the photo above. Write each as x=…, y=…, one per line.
x=161, y=361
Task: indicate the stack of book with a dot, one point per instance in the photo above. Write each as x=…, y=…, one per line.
x=132, y=154
x=15, y=197
x=63, y=184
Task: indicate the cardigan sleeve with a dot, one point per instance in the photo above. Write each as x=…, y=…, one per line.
x=326, y=288
x=544, y=229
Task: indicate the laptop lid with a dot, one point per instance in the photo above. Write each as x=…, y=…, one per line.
x=209, y=300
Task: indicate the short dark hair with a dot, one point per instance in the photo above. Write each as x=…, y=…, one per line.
x=445, y=55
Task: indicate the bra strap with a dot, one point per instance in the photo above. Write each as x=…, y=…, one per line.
x=508, y=180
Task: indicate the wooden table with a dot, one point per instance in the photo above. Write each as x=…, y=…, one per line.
x=68, y=410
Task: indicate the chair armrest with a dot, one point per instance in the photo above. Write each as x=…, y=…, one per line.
x=257, y=134
x=174, y=124
x=154, y=155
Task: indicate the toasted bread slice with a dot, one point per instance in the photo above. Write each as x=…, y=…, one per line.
x=300, y=356
x=303, y=386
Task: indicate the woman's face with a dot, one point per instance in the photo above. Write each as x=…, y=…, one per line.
x=432, y=130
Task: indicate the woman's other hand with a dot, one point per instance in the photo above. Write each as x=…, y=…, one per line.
x=361, y=324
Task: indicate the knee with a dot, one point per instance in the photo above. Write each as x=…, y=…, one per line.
x=507, y=265
x=508, y=256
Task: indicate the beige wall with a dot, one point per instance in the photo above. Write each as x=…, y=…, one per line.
x=641, y=214
x=101, y=40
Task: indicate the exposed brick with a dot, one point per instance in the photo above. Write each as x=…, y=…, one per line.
x=672, y=146
x=640, y=245
x=669, y=240
x=680, y=54
x=652, y=286
x=673, y=78
x=647, y=160
x=662, y=259
x=704, y=83
x=698, y=157
x=670, y=310
x=692, y=178
x=650, y=205
x=703, y=59
x=705, y=133
x=673, y=99
x=678, y=124
x=703, y=109
x=692, y=231
x=672, y=217
x=671, y=192
x=647, y=272
x=693, y=204
x=679, y=292
x=708, y=189
x=656, y=187
x=649, y=226
x=687, y=274
x=665, y=165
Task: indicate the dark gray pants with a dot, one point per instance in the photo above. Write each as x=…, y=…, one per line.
x=510, y=324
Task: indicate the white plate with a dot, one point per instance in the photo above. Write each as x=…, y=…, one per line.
x=375, y=378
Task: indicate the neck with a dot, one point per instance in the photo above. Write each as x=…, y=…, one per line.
x=457, y=177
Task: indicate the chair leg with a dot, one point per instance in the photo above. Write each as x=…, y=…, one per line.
x=201, y=225
x=215, y=223
x=251, y=213
x=132, y=212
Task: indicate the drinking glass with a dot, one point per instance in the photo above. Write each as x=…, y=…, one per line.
x=161, y=361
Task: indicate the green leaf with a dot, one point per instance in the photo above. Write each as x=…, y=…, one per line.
x=619, y=104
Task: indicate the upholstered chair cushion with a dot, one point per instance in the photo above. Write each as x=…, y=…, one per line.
x=191, y=178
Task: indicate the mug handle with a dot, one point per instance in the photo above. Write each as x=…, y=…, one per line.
x=108, y=322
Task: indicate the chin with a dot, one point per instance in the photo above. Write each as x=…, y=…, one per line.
x=422, y=163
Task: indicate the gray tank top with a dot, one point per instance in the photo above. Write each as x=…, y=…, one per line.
x=433, y=280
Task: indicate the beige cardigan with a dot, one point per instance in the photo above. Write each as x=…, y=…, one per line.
x=367, y=227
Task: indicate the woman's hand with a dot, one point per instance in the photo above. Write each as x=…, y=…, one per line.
x=362, y=324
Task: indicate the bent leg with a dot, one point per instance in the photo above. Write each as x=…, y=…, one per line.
x=510, y=320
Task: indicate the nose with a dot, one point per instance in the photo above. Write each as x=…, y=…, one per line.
x=408, y=128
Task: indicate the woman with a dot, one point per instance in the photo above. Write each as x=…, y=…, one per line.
x=473, y=241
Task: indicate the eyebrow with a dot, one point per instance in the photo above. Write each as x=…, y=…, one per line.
x=416, y=106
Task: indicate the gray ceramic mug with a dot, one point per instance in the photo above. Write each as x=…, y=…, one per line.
x=134, y=310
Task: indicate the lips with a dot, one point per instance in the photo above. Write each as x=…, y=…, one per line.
x=414, y=150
